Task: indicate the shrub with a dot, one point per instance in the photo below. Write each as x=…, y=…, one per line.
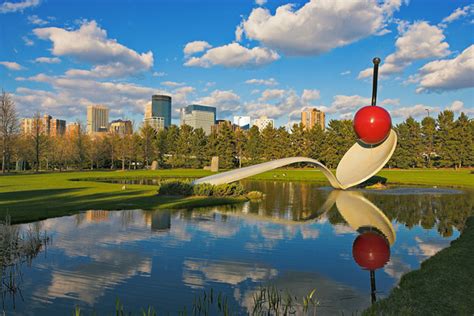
x=175, y=187
x=231, y=189
x=186, y=188
x=204, y=189
x=255, y=195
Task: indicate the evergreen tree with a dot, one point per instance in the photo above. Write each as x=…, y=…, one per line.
x=339, y=138
x=198, y=148
x=253, y=147
x=464, y=137
x=226, y=147
x=240, y=143
x=269, y=143
x=282, y=143
x=298, y=141
x=409, y=151
x=315, y=140
x=428, y=132
x=183, y=147
x=446, y=143
x=172, y=135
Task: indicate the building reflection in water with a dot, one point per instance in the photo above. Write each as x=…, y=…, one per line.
x=97, y=216
x=158, y=221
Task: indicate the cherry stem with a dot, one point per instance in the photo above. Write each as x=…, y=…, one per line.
x=376, y=62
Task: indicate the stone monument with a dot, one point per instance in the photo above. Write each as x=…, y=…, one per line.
x=215, y=164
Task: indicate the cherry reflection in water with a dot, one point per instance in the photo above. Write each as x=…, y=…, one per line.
x=371, y=248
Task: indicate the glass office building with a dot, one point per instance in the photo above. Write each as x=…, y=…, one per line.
x=161, y=107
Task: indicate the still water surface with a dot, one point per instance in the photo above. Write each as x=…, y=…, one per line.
x=299, y=238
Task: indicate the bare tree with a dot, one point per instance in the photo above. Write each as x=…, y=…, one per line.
x=38, y=138
x=8, y=127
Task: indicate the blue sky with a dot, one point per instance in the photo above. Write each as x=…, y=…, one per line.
x=244, y=57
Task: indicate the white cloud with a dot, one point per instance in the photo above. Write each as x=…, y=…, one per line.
x=8, y=7
x=419, y=40
x=318, y=26
x=27, y=41
x=90, y=44
x=226, y=101
x=459, y=13
x=36, y=20
x=192, y=48
x=181, y=97
x=260, y=2
x=310, y=95
x=448, y=74
x=277, y=103
x=172, y=84
x=344, y=103
x=272, y=94
x=264, y=82
x=69, y=97
x=233, y=55
x=11, y=65
x=418, y=110
x=458, y=107
x=345, y=73
x=48, y=60
x=159, y=74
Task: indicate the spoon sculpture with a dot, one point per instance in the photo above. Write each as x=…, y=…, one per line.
x=376, y=144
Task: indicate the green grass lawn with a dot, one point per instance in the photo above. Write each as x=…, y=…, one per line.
x=442, y=286
x=27, y=197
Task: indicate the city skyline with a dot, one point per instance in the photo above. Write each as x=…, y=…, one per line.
x=232, y=60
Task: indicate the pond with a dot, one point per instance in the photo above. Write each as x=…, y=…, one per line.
x=300, y=237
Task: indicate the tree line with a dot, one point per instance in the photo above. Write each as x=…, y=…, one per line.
x=444, y=141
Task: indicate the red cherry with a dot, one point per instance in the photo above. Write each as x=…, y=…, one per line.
x=371, y=251
x=372, y=124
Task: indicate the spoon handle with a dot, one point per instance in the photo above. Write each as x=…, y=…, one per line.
x=376, y=62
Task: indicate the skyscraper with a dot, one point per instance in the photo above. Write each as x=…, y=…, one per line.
x=313, y=117
x=160, y=107
x=57, y=127
x=199, y=116
x=97, y=119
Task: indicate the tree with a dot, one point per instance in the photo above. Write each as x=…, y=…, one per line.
x=446, y=143
x=315, y=139
x=240, y=142
x=253, y=147
x=39, y=139
x=226, y=147
x=198, y=147
x=408, y=153
x=339, y=138
x=8, y=128
x=464, y=137
x=183, y=146
x=269, y=144
x=428, y=131
x=298, y=141
x=172, y=135
x=148, y=134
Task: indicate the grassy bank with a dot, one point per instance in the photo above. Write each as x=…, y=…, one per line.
x=427, y=177
x=36, y=196
x=442, y=286
x=29, y=197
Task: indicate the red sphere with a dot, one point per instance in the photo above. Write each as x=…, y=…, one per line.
x=372, y=124
x=371, y=251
